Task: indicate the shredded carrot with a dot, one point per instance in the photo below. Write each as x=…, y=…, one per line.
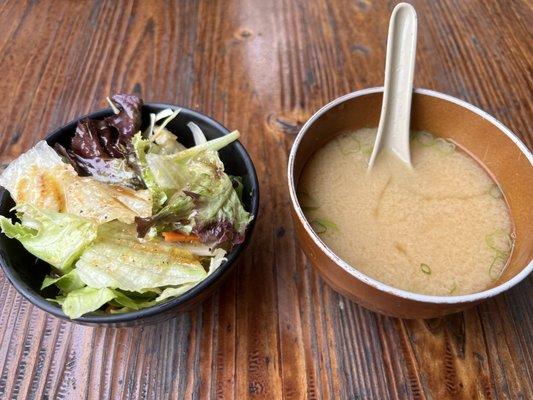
x=179, y=237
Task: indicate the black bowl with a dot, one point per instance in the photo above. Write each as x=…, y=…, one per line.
x=26, y=272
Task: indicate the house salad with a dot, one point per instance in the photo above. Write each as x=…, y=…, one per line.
x=126, y=218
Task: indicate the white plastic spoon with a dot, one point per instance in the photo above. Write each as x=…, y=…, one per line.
x=393, y=129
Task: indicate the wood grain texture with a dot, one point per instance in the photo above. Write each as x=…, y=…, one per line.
x=274, y=330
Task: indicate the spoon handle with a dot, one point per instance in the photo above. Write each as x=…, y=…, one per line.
x=393, y=129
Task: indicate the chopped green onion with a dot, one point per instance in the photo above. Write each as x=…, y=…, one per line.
x=425, y=138
x=492, y=273
x=444, y=146
x=328, y=223
x=453, y=288
x=350, y=148
x=495, y=192
x=367, y=150
x=425, y=269
x=343, y=136
x=321, y=225
x=318, y=227
x=308, y=202
x=499, y=241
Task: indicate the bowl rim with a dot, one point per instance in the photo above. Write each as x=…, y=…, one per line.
x=38, y=300
x=468, y=298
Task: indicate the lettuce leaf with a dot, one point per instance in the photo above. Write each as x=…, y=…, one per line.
x=130, y=302
x=39, y=178
x=128, y=120
x=159, y=197
x=57, y=238
x=160, y=139
x=103, y=149
x=84, y=300
x=198, y=135
x=66, y=283
x=22, y=177
x=237, y=185
x=179, y=208
x=114, y=171
x=215, y=262
x=118, y=260
x=109, y=137
x=174, y=292
x=213, y=145
x=164, y=142
x=171, y=171
x=204, y=202
x=220, y=217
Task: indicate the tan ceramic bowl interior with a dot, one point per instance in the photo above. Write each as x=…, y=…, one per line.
x=485, y=138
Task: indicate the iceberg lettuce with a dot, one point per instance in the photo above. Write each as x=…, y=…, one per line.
x=39, y=178
x=170, y=292
x=84, y=300
x=131, y=302
x=41, y=156
x=56, y=238
x=174, y=292
x=141, y=146
x=118, y=260
x=66, y=283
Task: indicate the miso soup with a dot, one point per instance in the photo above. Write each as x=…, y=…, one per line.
x=440, y=228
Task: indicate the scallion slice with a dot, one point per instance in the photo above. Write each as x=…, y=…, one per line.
x=500, y=241
x=425, y=138
x=322, y=225
x=308, y=202
x=425, y=269
x=444, y=146
x=495, y=192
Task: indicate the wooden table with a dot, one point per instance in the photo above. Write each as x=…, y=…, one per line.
x=274, y=330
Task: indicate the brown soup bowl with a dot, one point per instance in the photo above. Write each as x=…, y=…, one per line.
x=482, y=136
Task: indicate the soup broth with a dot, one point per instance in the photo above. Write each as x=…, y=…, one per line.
x=440, y=228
